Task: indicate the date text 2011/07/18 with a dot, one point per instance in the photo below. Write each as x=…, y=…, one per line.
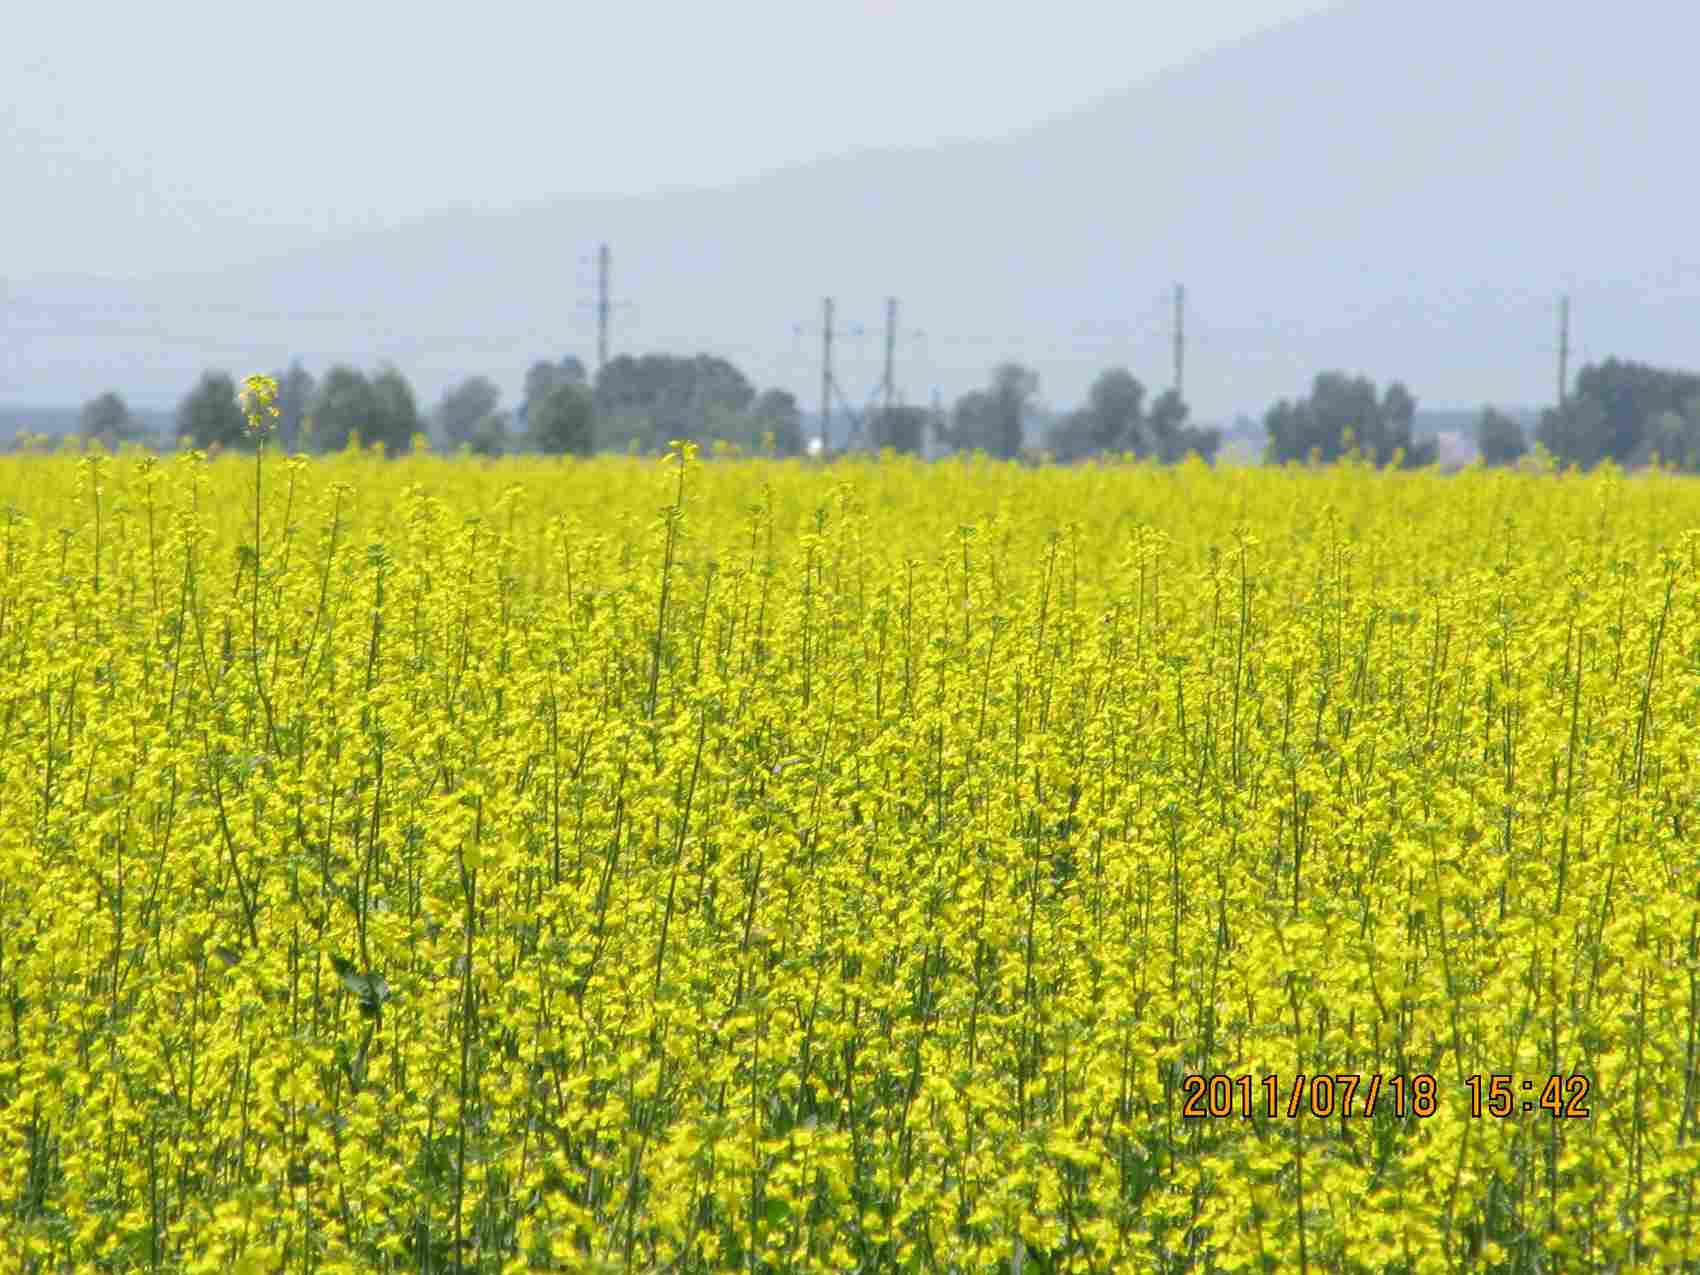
x=1353, y=1094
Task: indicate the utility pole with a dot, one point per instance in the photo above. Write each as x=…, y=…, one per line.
x=890, y=347
x=604, y=305
x=886, y=381
x=1563, y=351
x=1180, y=341
x=602, y=272
x=825, y=373
x=828, y=383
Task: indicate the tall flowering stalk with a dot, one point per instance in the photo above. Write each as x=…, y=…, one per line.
x=259, y=404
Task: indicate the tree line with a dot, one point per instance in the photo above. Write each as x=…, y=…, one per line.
x=1626, y=412
x=641, y=403
x=633, y=405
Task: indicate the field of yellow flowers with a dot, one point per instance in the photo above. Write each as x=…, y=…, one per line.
x=681, y=865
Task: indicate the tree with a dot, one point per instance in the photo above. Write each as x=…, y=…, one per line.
x=776, y=412
x=1072, y=438
x=559, y=423
x=106, y=417
x=1499, y=438
x=398, y=417
x=1115, y=410
x=1014, y=388
x=1673, y=437
x=772, y=422
x=344, y=406
x=1111, y=419
x=1344, y=412
x=210, y=414
x=1631, y=396
x=625, y=432
x=543, y=376
x=678, y=396
x=1577, y=433
x=900, y=428
x=993, y=419
x=1168, y=435
x=970, y=425
x=381, y=409
x=490, y=437
x=464, y=408
x=1618, y=411
x=294, y=398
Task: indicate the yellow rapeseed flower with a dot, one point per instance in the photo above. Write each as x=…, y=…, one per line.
x=258, y=397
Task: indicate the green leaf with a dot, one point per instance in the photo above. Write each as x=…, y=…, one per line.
x=371, y=988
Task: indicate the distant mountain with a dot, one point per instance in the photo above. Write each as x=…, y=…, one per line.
x=1391, y=189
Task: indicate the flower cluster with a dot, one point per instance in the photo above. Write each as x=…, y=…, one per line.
x=258, y=397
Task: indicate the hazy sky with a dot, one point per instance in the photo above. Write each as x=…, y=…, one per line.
x=140, y=139
x=1352, y=192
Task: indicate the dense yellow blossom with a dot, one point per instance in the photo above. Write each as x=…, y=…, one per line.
x=752, y=865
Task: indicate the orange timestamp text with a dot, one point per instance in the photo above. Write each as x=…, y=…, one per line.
x=1349, y=1094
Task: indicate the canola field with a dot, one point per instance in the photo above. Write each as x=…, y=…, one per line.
x=689, y=864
